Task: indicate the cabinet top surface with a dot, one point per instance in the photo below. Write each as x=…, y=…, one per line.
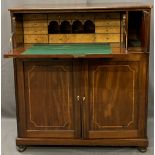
x=83, y=6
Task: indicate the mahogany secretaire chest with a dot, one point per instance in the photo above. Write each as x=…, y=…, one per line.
x=81, y=74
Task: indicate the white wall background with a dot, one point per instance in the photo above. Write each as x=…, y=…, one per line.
x=8, y=94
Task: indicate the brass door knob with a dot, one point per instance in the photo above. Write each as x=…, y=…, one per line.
x=83, y=98
x=78, y=98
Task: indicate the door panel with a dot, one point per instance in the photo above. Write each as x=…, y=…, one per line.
x=50, y=99
x=112, y=99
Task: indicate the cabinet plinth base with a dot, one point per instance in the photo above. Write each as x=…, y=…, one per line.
x=141, y=143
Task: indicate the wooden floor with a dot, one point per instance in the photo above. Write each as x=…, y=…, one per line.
x=9, y=135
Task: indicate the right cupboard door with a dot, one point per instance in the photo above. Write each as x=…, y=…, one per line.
x=111, y=108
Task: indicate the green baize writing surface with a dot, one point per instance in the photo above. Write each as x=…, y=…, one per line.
x=69, y=49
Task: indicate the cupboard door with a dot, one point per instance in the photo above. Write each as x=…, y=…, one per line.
x=49, y=94
x=111, y=108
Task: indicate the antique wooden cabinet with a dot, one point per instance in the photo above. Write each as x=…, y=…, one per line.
x=81, y=74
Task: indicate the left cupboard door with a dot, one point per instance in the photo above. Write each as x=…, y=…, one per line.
x=46, y=92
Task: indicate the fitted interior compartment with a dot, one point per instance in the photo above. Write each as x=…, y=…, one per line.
x=135, y=29
x=72, y=28
x=104, y=27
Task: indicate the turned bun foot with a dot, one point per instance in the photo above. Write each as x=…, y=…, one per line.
x=21, y=148
x=142, y=149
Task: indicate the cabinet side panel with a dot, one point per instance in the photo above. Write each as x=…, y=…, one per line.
x=20, y=97
x=143, y=95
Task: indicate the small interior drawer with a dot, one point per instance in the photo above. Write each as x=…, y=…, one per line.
x=35, y=17
x=35, y=38
x=108, y=15
x=101, y=29
x=35, y=23
x=37, y=30
x=107, y=38
x=107, y=22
